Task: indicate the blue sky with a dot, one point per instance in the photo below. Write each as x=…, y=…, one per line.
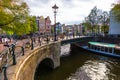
x=70, y=11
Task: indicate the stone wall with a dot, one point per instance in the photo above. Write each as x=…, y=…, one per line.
x=25, y=68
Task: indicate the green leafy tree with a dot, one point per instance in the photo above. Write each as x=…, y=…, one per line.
x=87, y=26
x=14, y=17
x=105, y=28
x=33, y=24
x=116, y=12
x=5, y=13
x=52, y=29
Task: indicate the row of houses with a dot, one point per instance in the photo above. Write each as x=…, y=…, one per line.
x=46, y=28
x=44, y=25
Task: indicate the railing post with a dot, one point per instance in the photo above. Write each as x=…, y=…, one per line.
x=47, y=40
x=32, y=46
x=23, y=51
x=13, y=54
x=4, y=71
x=39, y=40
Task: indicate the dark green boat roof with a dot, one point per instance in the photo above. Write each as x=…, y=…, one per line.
x=102, y=44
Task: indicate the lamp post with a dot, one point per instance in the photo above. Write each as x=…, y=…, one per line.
x=55, y=7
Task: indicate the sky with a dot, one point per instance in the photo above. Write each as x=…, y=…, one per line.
x=69, y=11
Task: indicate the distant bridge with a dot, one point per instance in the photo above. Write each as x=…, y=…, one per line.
x=75, y=40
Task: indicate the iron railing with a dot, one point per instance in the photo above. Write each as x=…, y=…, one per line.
x=12, y=52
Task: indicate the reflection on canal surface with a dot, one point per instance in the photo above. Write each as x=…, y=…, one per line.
x=65, y=50
x=82, y=66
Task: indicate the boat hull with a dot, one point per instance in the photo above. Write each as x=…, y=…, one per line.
x=86, y=49
x=100, y=52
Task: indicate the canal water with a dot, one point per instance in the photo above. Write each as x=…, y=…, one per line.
x=81, y=65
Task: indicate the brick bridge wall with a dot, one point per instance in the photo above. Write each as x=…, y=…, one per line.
x=26, y=66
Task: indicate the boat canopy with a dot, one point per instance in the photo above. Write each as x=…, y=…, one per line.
x=102, y=44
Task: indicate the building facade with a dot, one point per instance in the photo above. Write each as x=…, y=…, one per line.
x=63, y=28
x=44, y=25
x=41, y=25
x=47, y=26
x=114, y=28
x=58, y=28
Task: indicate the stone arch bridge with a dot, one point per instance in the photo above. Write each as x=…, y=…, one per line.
x=25, y=67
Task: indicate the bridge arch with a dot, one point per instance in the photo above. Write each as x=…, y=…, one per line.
x=47, y=62
x=48, y=55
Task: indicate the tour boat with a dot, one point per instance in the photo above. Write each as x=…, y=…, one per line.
x=107, y=49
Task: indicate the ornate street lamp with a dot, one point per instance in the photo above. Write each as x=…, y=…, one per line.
x=55, y=7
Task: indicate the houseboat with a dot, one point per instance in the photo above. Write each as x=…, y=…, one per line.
x=107, y=49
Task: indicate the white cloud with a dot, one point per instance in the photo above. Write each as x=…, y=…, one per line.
x=69, y=11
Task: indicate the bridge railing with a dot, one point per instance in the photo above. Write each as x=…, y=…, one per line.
x=6, y=58
x=76, y=40
x=9, y=56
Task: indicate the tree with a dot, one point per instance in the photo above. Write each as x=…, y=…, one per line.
x=33, y=24
x=14, y=16
x=105, y=20
x=52, y=29
x=87, y=26
x=116, y=12
x=96, y=18
x=5, y=13
x=92, y=18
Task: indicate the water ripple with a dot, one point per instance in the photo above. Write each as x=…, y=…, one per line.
x=96, y=70
x=93, y=70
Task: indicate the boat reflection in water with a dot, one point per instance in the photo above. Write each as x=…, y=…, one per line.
x=65, y=50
